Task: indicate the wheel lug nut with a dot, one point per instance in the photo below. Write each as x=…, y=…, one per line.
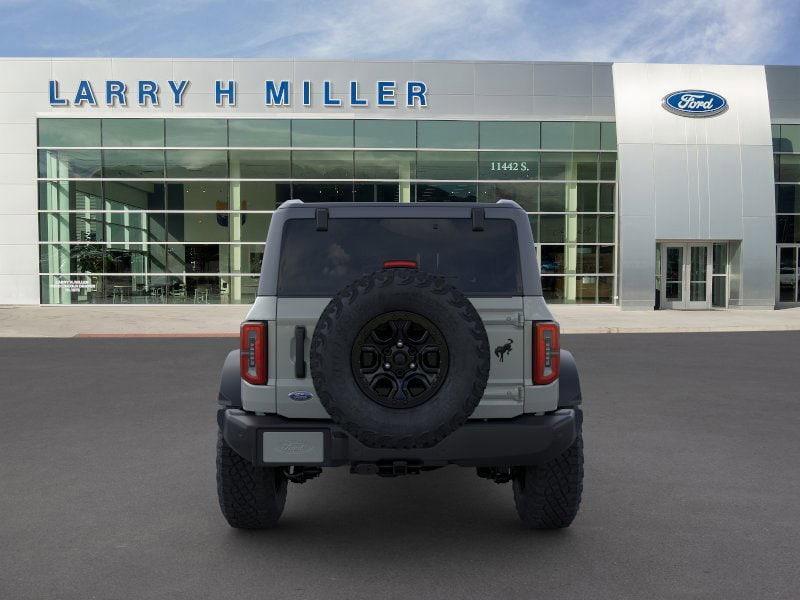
x=387, y=366
x=412, y=366
x=399, y=344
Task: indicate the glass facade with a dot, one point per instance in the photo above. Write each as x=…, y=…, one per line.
x=176, y=210
x=786, y=148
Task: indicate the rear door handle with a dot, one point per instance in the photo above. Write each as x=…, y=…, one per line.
x=299, y=352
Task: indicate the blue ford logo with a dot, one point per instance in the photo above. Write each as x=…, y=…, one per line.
x=300, y=396
x=695, y=103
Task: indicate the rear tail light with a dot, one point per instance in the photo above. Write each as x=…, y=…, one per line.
x=546, y=353
x=253, y=352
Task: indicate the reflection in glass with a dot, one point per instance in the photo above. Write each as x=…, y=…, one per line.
x=65, y=133
x=260, y=164
x=509, y=134
x=385, y=165
x=447, y=134
x=197, y=133
x=133, y=132
x=133, y=164
x=447, y=165
x=255, y=133
x=197, y=164
x=64, y=164
x=524, y=194
x=384, y=133
x=322, y=133
x=447, y=192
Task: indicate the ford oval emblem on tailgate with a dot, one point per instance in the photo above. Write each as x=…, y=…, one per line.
x=300, y=396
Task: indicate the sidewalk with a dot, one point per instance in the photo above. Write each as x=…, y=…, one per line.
x=223, y=320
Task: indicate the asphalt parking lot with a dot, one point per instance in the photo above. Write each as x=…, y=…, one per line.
x=692, y=484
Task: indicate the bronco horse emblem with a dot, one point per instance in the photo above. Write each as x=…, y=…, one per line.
x=501, y=351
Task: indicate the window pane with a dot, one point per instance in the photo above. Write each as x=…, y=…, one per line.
x=197, y=132
x=199, y=227
x=260, y=164
x=552, y=229
x=586, y=259
x=132, y=164
x=787, y=262
x=446, y=192
x=790, y=138
x=587, y=136
x=553, y=289
x=509, y=165
x=261, y=195
x=789, y=170
x=720, y=262
x=380, y=133
x=385, y=165
x=524, y=194
x=787, y=198
x=198, y=195
x=556, y=165
x=255, y=226
x=383, y=192
x=447, y=165
x=605, y=290
x=553, y=197
x=133, y=132
x=608, y=166
x=63, y=164
x=271, y=133
x=776, y=138
x=447, y=134
x=606, y=229
x=586, y=289
x=788, y=229
x=557, y=135
x=534, y=221
x=134, y=226
x=509, y=134
x=587, y=197
x=605, y=263
x=606, y=197
x=587, y=229
x=134, y=258
x=132, y=195
x=323, y=192
x=69, y=132
x=70, y=195
x=552, y=259
x=608, y=136
x=197, y=163
x=585, y=166
x=71, y=227
x=322, y=133
x=322, y=164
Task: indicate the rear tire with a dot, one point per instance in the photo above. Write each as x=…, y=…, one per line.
x=250, y=497
x=548, y=496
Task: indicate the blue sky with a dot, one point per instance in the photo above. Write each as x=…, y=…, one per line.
x=707, y=31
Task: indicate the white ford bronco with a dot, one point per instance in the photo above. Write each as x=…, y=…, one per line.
x=395, y=339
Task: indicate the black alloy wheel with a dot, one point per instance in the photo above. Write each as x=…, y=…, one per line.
x=400, y=359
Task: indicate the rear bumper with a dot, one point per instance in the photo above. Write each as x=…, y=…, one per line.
x=274, y=440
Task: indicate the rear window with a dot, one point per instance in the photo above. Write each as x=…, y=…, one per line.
x=320, y=263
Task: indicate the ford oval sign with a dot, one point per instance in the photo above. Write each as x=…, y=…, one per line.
x=695, y=103
x=301, y=396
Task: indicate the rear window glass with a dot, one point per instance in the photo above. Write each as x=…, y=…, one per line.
x=320, y=263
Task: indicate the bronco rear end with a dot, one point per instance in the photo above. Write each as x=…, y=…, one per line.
x=395, y=339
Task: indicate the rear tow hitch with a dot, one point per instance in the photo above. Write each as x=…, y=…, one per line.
x=496, y=474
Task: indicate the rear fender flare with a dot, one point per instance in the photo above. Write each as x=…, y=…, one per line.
x=569, y=383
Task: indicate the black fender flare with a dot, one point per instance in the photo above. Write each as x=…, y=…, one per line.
x=569, y=382
x=230, y=384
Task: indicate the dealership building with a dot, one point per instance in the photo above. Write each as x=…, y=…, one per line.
x=151, y=181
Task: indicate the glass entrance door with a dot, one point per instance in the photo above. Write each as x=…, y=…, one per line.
x=686, y=276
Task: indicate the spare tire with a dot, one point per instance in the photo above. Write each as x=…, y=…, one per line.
x=400, y=359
